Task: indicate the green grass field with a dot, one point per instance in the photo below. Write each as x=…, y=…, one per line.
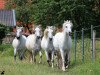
x=24, y=67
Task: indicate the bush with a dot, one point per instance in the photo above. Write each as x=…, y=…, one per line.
x=3, y=30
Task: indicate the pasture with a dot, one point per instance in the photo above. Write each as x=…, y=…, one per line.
x=24, y=67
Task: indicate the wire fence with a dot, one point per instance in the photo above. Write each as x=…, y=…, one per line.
x=85, y=49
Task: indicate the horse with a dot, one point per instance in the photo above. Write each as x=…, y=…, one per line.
x=47, y=44
x=62, y=43
x=33, y=43
x=18, y=43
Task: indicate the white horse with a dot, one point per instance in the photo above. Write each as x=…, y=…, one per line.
x=19, y=43
x=33, y=43
x=47, y=44
x=62, y=41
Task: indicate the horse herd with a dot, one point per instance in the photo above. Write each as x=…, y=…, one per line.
x=52, y=43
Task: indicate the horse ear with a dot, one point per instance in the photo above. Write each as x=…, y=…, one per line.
x=17, y=27
x=34, y=26
x=51, y=27
x=47, y=27
x=71, y=24
x=21, y=27
x=69, y=21
x=54, y=28
x=64, y=21
x=40, y=25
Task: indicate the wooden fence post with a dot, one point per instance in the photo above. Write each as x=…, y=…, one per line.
x=94, y=44
x=75, y=43
x=83, y=45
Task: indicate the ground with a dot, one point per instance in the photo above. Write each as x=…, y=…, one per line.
x=24, y=67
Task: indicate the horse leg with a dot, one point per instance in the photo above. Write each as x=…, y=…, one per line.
x=30, y=57
x=34, y=59
x=66, y=60
x=33, y=55
x=21, y=54
x=57, y=59
x=40, y=53
x=46, y=53
x=15, y=50
x=49, y=55
x=68, y=55
x=63, y=59
x=52, y=60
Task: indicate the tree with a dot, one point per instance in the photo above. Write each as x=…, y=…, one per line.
x=23, y=11
x=2, y=32
x=83, y=13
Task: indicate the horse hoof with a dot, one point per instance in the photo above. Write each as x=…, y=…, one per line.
x=63, y=68
x=52, y=66
x=40, y=62
x=67, y=67
x=21, y=58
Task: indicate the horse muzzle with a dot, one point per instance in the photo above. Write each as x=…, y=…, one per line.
x=38, y=37
x=50, y=39
x=17, y=37
x=70, y=34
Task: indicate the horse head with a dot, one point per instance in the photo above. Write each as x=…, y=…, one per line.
x=19, y=32
x=38, y=31
x=50, y=32
x=67, y=27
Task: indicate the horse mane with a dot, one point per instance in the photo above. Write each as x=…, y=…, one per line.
x=45, y=33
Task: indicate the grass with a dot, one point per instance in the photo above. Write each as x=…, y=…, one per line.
x=24, y=67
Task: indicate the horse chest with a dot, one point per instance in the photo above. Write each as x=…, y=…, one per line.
x=37, y=45
x=50, y=46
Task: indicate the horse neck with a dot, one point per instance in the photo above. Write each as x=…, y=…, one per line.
x=22, y=37
x=45, y=36
x=37, y=40
x=47, y=39
x=66, y=36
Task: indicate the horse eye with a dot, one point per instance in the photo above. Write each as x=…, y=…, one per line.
x=66, y=26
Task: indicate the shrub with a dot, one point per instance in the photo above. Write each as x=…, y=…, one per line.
x=2, y=32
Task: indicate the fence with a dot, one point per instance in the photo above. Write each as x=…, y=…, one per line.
x=9, y=38
x=86, y=46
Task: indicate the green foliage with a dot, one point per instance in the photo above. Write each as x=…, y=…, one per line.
x=83, y=13
x=3, y=31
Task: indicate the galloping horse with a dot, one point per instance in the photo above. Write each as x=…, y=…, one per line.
x=33, y=43
x=47, y=44
x=62, y=42
x=19, y=43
